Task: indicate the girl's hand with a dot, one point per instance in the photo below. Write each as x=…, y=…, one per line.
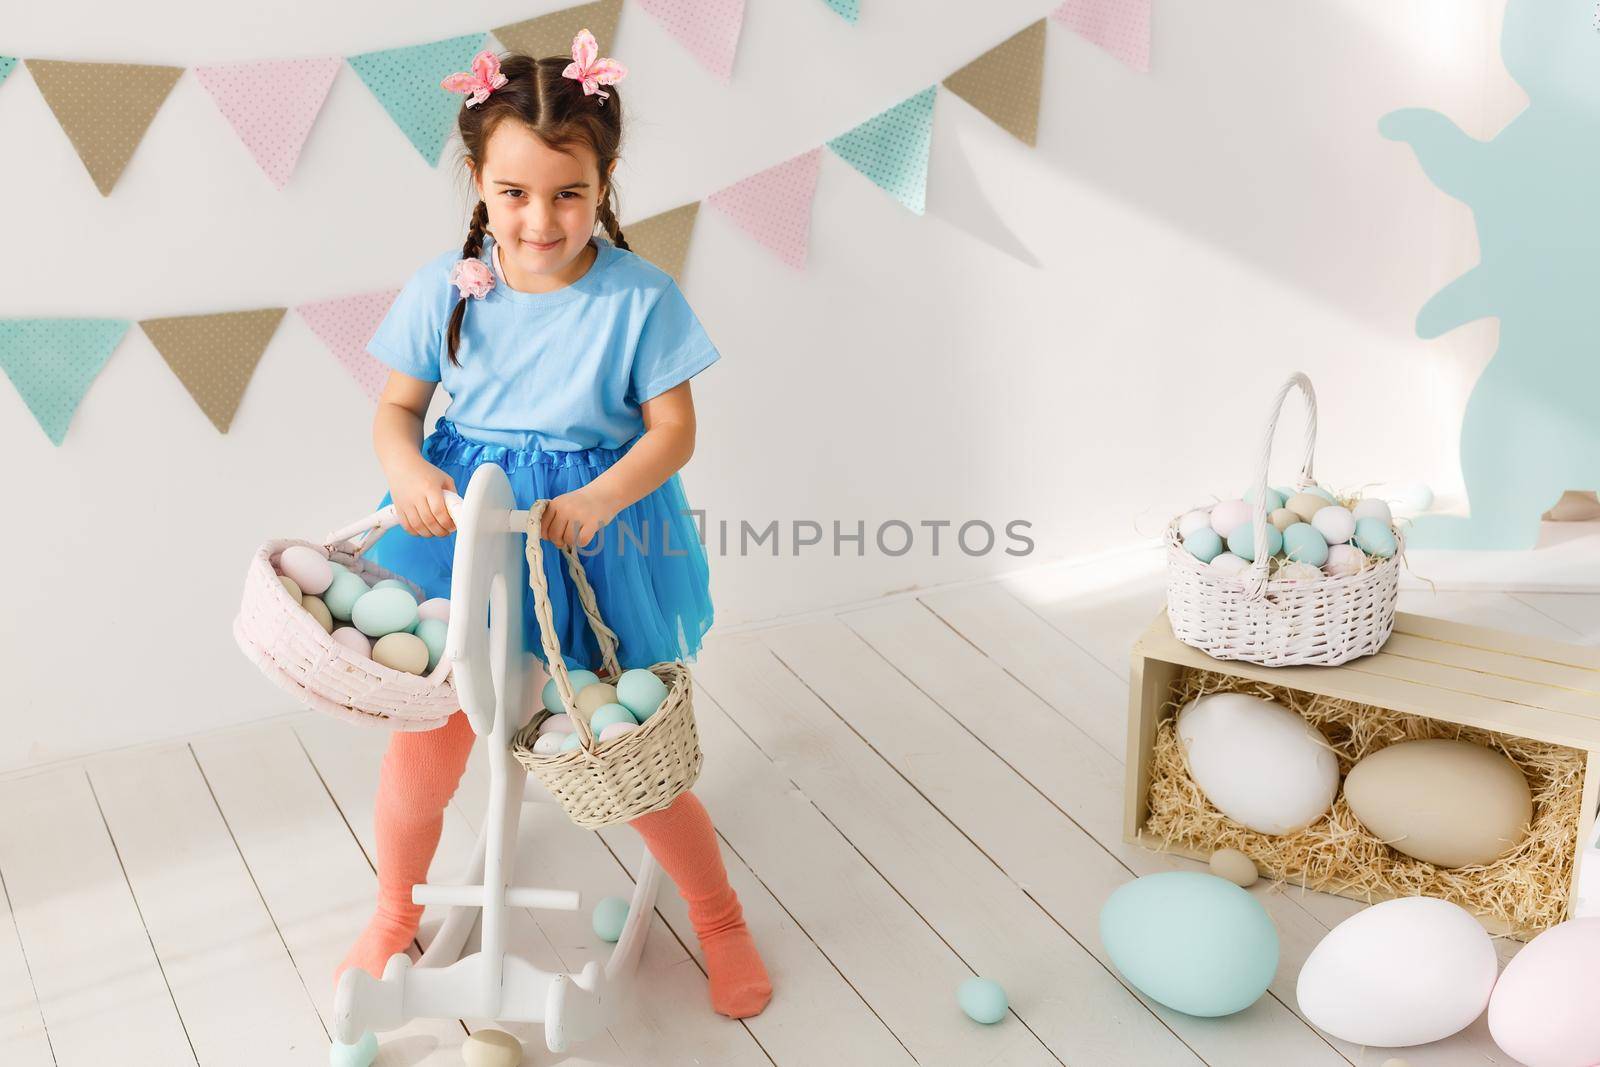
x=418, y=490
x=572, y=519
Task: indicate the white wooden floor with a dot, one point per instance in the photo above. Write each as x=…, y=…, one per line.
x=908, y=793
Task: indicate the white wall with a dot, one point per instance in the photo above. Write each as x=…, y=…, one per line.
x=1081, y=334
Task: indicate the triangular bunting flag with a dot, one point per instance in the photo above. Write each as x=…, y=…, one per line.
x=214, y=355
x=709, y=29
x=552, y=34
x=345, y=326
x=774, y=206
x=271, y=106
x=52, y=362
x=406, y=82
x=849, y=9
x=891, y=148
x=1121, y=27
x=104, y=108
x=664, y=239
x=6, y=63
x=1004, y=83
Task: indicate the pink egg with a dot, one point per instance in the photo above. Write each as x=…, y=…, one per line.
x=616, y=729
x=1228, y=516
x=352, y=638
x=557, y=724
x=1542, y=1008
x=437, y=608
x=308, y=567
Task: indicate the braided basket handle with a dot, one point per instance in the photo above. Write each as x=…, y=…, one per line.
x=547, y=629
x=1256, y=576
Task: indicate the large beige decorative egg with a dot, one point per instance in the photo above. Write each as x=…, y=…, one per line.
x=1450, y=803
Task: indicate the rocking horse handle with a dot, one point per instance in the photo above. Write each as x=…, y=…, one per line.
x=547, y=629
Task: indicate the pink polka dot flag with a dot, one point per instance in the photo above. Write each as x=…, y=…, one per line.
x=345, y=325
x=271, y=106
x=709, y=29
x=1121, y=27
x=774, y=206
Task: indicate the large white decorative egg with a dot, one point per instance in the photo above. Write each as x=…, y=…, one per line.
x=1542, y=1010
x=1403, y=972
x=1261, y=764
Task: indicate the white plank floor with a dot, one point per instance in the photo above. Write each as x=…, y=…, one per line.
x=908, y=793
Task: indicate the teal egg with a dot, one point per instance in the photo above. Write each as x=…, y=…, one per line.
x=1304, y=543
x=432, y=633
x=1317, y=490
x=641, y=692
x=360, y=1054
x=573, y=741
x=610, y=914
x=341, y=596
x=1205, y=544
x=552, y=699
x=1275, y=499
x=1197, y=943
x=1242, y=542
x=390, y=583
x=608, y=715
x=384, y=611
x=982, y=999
x=1374, y=537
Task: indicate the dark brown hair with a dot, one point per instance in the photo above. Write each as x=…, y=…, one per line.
x=555, y=108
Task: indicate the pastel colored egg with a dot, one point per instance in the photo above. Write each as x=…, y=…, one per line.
x=293, y=589
x=1204, y=544
x=548, y=744
x=1414, y=497
x=983, y=1000
x=615, y=730
x=1242, y=541
x=1542, y=1008
x=308, y=567
x=1228, y=515
x=491, y=1048
x=391, y=583
x=641, y=692
x=342, y=594
x=580, y=680
x=1373, y=508
x=572, y=741
x=557, y=724
x=1228, y=565
x=1258, y=762
x=1336, y=524
x=1399, y=973
x=436, y=608
x=403, y=652
x=1197, y=943
x=1317, y=490
x=1306, y=505
x=607, y=714
x=354, y=640
x=1344, y=560
x=384, y=611
x=1303, y=544
x=432, y=633
x=1235, y=866
x=1448, y=802
x=1375, y=538
x=338, y=568
x=595, y=696
x=1190, y=521
x=610, y=916
x=1275, y=499
x=360, y=1054
x=1298, y=572
x=318, y=611
x=1282, y=519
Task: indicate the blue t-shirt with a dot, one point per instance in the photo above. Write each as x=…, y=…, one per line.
x=557, y=371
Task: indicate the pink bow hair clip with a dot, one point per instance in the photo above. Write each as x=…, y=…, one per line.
x=473, y=278
x=483, y=79
x=590, y=70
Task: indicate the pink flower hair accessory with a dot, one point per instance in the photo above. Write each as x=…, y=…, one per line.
x=593, y=72
x=483, y=79
x=473, y=278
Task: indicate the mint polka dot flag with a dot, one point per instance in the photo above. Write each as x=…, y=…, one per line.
x=406, y=82
x=891, y=148
x=849, y=10
x=6, y=63
x=52, y=363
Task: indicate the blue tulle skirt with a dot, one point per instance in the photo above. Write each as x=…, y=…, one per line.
x=648, y=568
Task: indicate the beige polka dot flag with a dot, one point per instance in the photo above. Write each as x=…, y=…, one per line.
x=1004, y=82
x=552, y=34
x=214, y=355
x=104, y=109
x=664, y=239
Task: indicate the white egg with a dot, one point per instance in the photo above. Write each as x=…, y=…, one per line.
x=437, y=608
x=1260, y=763
x=1399, y=973
x=1227, y=564
x=1336, y=524
x=1298, y=572
x=549, y=744
x=1372, y=508
x=1198, y=519
x=557, y=724
x=1228, y=516
x=1343, y=561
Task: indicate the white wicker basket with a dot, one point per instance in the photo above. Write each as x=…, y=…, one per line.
x=1280, y=623
x=295, y=652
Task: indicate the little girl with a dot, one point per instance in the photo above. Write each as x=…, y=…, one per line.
x=567, y=360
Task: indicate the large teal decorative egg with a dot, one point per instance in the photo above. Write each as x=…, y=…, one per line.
x=1304, y=543
x=1197, y=943
x=1242, y=541
x=341, y=596
x=982, y=999
x=641, y=692
x=384, y=611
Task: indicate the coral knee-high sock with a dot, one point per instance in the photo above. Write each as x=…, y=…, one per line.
x=421, y=770
x=683, y=841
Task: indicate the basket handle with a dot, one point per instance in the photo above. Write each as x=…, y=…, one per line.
x=1256, y=576
x=381, y=522
x=547, y=628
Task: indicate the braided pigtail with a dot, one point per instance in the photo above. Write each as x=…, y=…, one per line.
x=608, y=219
x=472, y=249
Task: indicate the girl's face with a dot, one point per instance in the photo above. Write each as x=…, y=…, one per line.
x=542, y=206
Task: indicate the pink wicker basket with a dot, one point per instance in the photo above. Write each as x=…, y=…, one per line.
x=295, y=652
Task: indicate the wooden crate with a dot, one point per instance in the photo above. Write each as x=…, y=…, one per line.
x=1526, y=686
